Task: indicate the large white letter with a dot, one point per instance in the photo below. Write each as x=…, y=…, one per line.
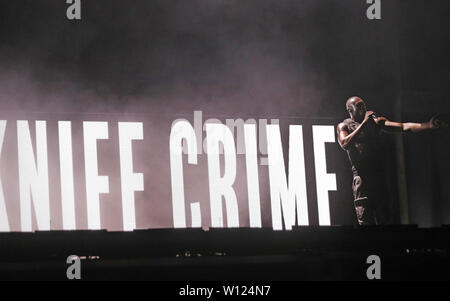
x=4, y=224
x=33, y=178
x=221, y=186
x=182, y=130
x=324, y=181
x=131, y=182
x=66, y=167
x=254, y=203
x=294, y=195
x=95, y=184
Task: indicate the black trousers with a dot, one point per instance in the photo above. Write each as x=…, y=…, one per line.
x=367, y=191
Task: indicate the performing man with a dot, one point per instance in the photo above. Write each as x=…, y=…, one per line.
x=359, y=137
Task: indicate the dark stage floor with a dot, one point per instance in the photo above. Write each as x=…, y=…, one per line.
x=309, y=253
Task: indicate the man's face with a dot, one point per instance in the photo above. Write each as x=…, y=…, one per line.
x=358, y=108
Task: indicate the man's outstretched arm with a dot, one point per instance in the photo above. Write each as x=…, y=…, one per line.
x=434, y=123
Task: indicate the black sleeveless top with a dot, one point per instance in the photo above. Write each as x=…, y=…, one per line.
x=364, y=151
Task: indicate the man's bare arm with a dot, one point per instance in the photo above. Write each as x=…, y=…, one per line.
x=434, y=123
x=344, y=138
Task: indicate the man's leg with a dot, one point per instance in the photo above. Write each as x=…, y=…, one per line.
x=363, y=207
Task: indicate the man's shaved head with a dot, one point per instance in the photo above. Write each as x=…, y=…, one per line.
x=356, y=108
x=352, y=101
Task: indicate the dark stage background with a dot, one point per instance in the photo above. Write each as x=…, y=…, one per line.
x=298, y=61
